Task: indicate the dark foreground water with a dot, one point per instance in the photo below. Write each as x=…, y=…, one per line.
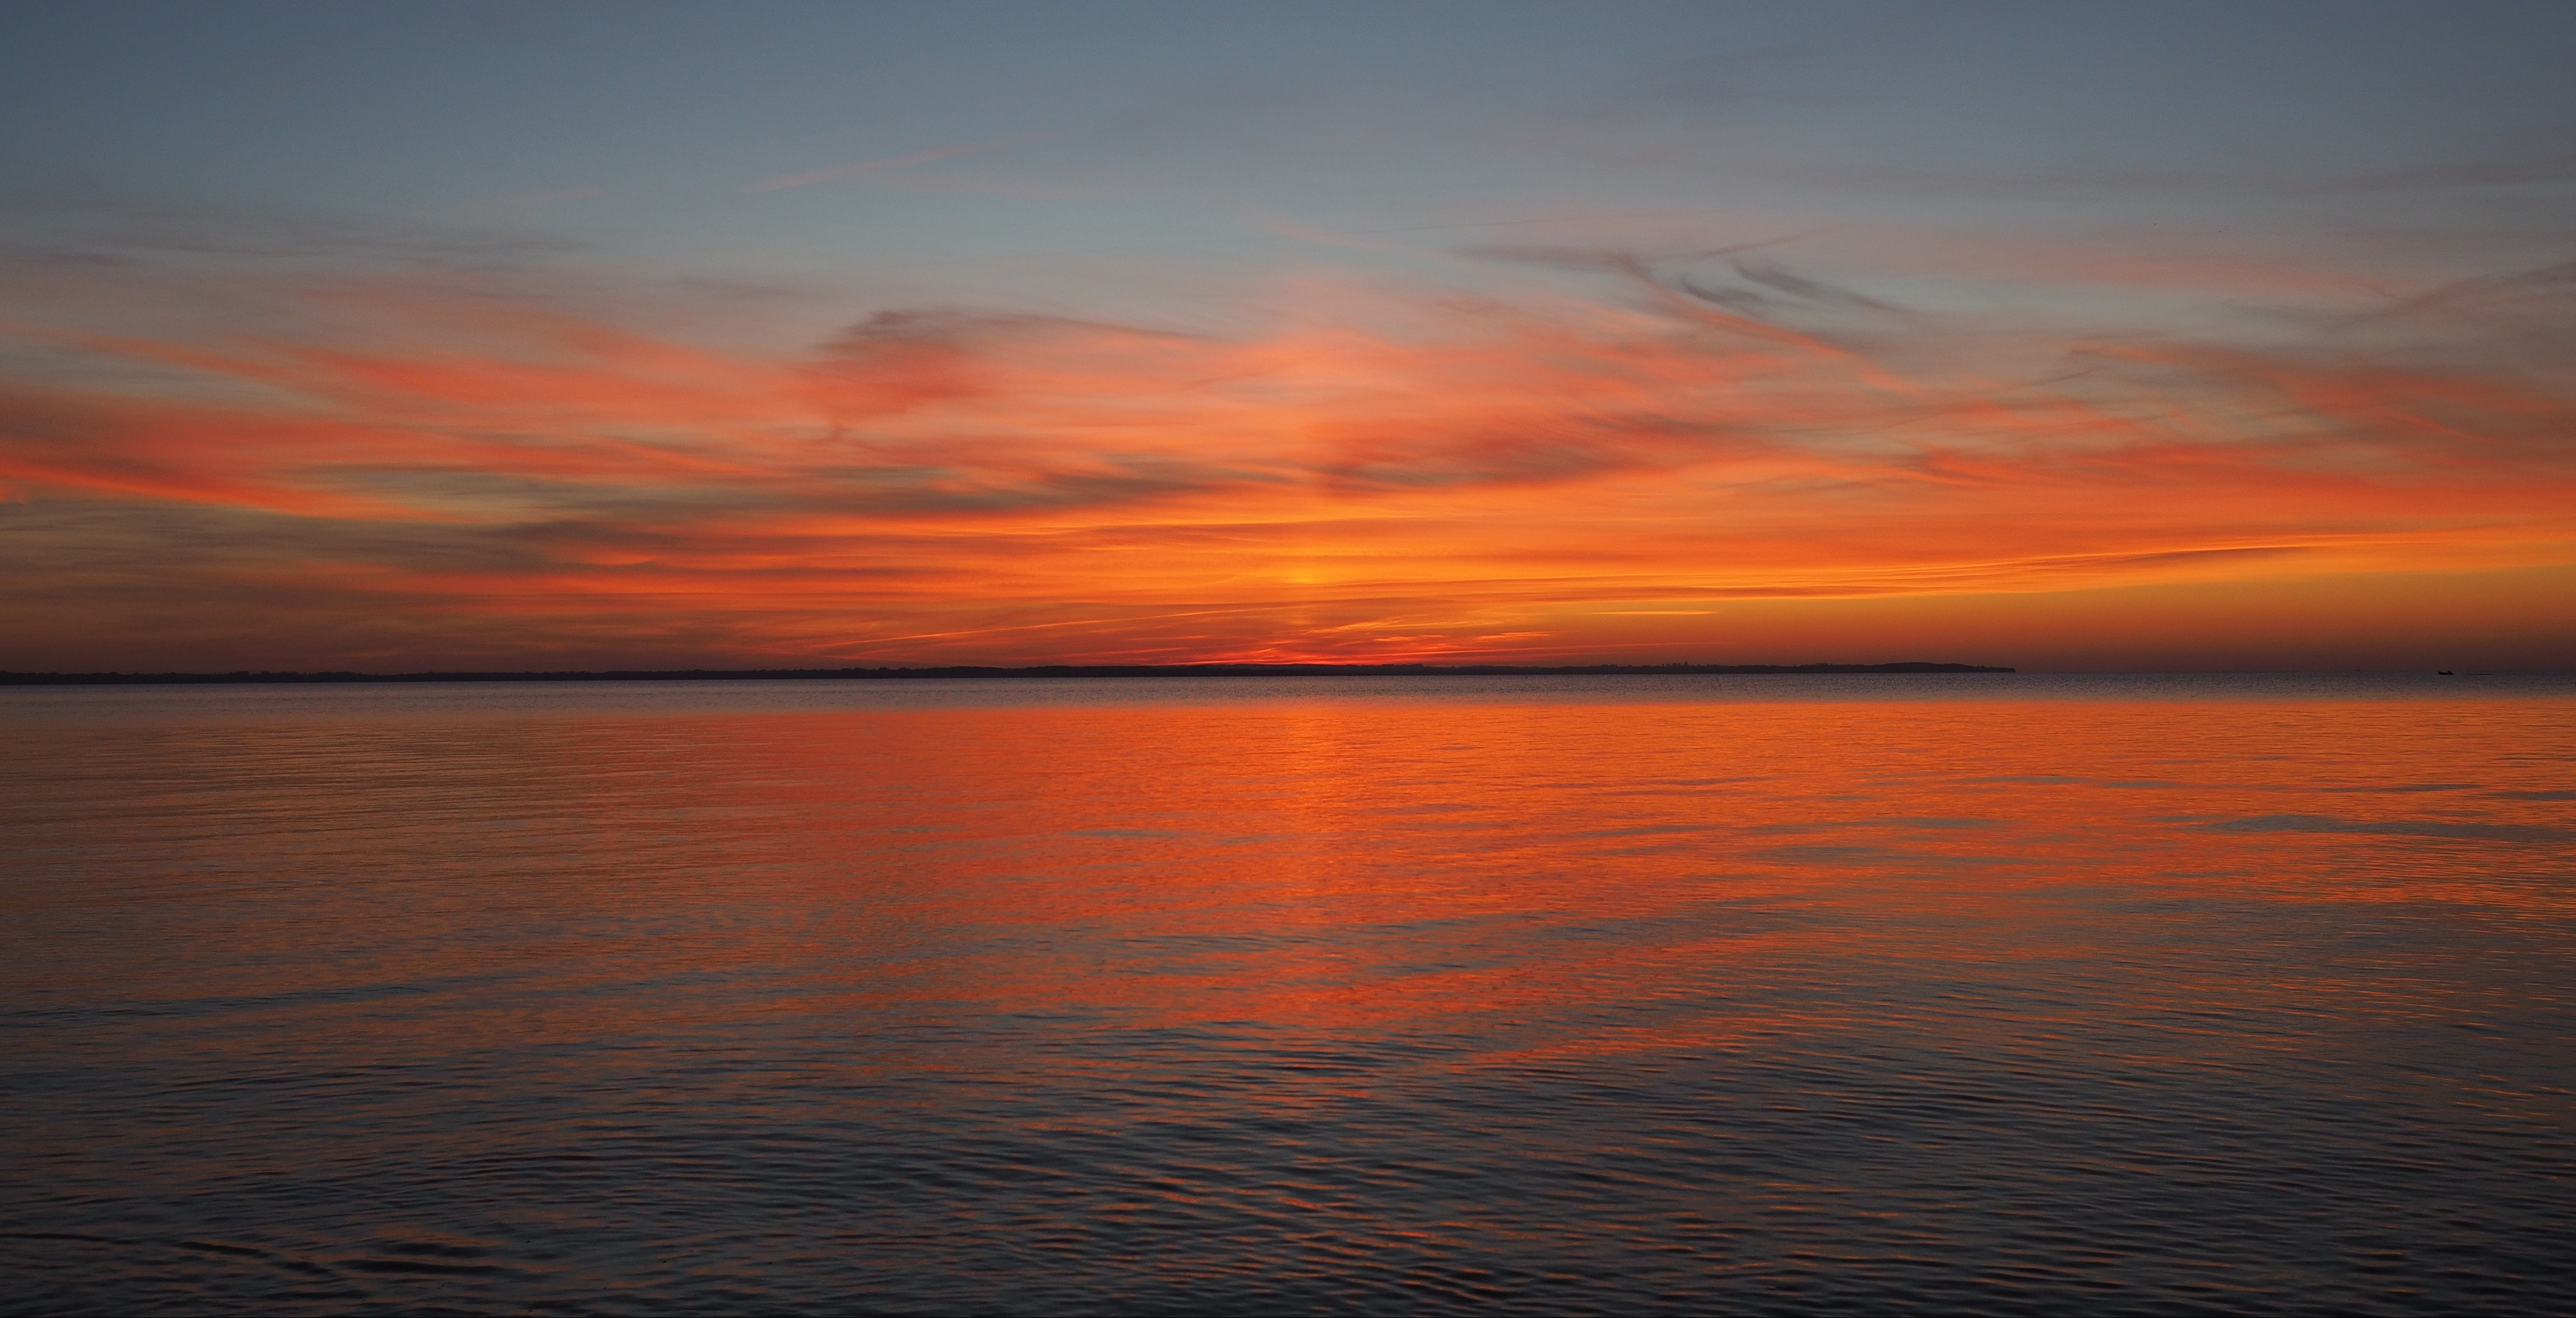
x=1521, y=995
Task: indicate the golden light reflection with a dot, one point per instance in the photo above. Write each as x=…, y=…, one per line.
x=1339, y=869
x=1081, y=954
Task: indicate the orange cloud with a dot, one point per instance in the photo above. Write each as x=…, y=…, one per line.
x=1657, y=472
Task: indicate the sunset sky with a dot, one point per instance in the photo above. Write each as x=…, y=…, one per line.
x=2161, y=336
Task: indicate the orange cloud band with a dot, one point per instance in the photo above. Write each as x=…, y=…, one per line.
x=1542, y=477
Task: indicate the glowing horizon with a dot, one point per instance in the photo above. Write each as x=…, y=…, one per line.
x=1781, y=427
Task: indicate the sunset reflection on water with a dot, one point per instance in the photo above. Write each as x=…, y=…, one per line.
x=1535, y=996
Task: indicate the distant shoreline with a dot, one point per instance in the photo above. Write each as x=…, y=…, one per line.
x=1049, y=670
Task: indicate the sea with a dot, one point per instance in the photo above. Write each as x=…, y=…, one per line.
x=1253, y=995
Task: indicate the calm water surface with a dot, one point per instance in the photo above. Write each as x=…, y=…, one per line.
x=1512, y=995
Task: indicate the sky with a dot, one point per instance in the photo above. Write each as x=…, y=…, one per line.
x=2068, y=337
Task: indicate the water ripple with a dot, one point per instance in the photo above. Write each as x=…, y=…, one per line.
x=1292, y=1004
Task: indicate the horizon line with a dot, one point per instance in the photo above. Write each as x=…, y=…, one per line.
x=249, y=676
